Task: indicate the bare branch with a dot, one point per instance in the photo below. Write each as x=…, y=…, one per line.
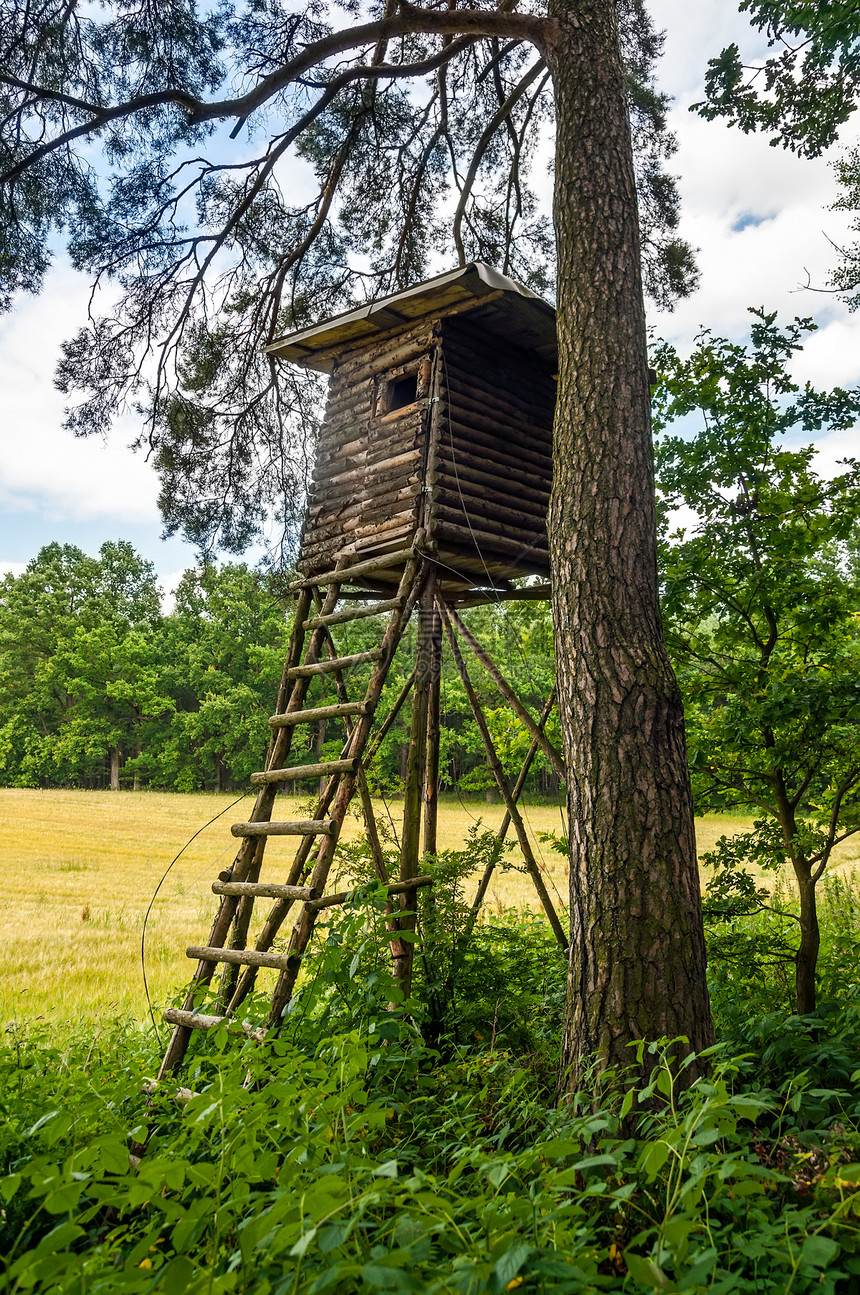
x=200, y=112
x=498, y=119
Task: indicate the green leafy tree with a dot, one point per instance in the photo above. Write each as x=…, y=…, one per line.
x=120, y=702
x=761, y=606
x=224, y=646
x=416, y=130
x=805, y=91
x=96, y=684
x=845, y=278
x=75, y=671
x=802, y=95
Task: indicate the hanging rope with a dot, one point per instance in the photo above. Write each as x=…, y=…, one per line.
x=164, y=877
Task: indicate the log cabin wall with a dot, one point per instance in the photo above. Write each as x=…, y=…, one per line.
x=439, y=419
x=492, y=466
x=366, y=494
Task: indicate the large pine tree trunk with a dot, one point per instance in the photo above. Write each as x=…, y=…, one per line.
x=637, y=966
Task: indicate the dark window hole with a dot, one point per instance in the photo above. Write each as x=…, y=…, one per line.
x=402, y=392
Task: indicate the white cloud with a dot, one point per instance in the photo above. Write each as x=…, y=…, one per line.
x=42, y=467
x=831, y=357
x=12, y=568
x=833, y=448
x=758, y=215
x=168, y=584
x=696, y=32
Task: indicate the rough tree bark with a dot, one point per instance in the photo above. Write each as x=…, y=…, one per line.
x=637, y=951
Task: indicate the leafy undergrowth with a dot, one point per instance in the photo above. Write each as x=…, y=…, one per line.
x=350, y=1155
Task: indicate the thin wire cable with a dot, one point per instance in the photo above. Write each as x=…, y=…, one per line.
x=513, y=639
x=164, y=876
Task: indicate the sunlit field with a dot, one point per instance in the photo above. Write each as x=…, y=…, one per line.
x=81, y=869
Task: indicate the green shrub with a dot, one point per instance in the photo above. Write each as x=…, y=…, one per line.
x=350, y=1155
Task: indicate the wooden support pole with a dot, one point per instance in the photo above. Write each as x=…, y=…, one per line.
x=291, y=697
x=411, y=835
x=315, y=713
x=343, y=574
x=280, y=910
x=410, y=588
x=554, y=756
x=394, y=888
x=241, y=924
x=530, y=594
x=294, y=650
x=370, y=826
x=502, y=783
x=431, y=764
x=505, y=823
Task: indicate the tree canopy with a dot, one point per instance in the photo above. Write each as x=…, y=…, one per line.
x=398, y=114
x=761, y=606
x=805, y=91
x=801, y=95
x=226, y=173
x=96, y=679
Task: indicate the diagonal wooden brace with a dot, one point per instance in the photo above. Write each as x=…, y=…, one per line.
x=552, y=754
x=502, y=783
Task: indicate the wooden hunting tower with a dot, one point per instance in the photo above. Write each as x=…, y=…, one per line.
x=430, y=492
x=439, y=420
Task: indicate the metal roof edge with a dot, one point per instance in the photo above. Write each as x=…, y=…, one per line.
x=477, y=278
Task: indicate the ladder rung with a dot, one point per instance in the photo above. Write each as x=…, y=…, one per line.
x=299, y=827
x=358, y=569
x=198, y=1021
x=191, y=1020
x=353, y=614
x=396, y=888
x=240, y=957
x=316, y=713
x=265, y=889
x=304, y=771
x=335, y=663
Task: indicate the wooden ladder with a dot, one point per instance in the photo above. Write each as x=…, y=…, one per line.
x=311, y=653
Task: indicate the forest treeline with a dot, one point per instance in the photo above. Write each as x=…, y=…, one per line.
x=101, y=687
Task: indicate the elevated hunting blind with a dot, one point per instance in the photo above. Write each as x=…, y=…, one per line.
x=430, y=492
x=439, y=420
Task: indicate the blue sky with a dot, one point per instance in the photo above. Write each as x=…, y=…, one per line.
x=757, y=215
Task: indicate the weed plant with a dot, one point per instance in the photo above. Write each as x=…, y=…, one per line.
x=382, y=1144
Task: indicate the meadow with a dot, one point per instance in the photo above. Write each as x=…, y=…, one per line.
x=81, y=869
x=411, y=1150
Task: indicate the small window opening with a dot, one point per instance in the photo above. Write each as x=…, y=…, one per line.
x=401, y=392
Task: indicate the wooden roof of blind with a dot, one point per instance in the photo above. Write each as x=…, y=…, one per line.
x=502, y=306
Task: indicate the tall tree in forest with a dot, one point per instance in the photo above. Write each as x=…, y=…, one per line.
x=762, y=609
x=225, y=643
x=400, y=112
x=77, y=675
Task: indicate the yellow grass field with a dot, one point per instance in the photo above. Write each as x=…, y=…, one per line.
x=80, y=870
